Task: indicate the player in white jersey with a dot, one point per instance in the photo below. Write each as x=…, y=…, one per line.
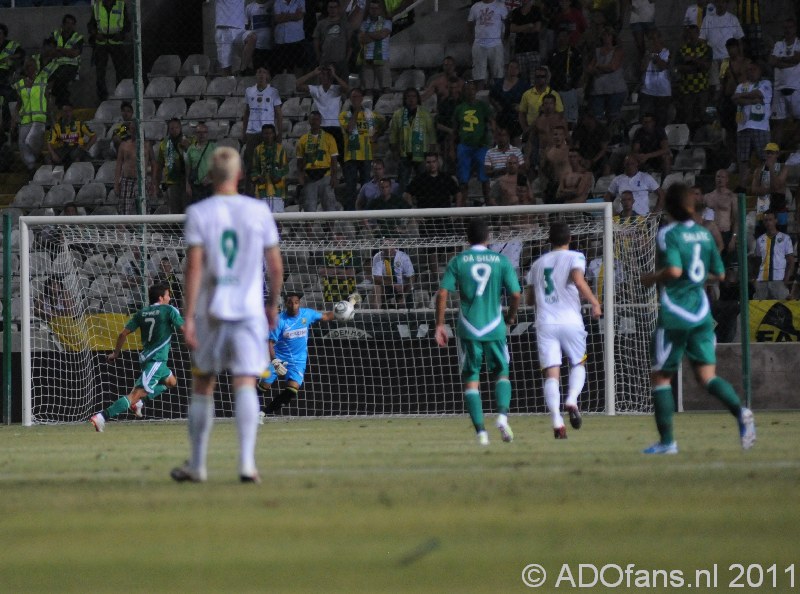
x=229, y=238
x=556, y=284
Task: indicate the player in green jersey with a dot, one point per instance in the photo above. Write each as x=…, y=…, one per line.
x=156, y=323
x=687, y=258
x=480, y=275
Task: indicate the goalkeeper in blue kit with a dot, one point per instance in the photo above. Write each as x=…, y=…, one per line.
x=687, y=257
x=156, y=323
x=288, y=350
x=480, y=275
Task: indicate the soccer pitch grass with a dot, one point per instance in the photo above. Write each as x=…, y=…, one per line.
x=396, y=505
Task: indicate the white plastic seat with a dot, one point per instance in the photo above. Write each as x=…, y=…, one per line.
x=293, y=108
x=231, y=109
x=236, y=130
x=221, y=86
x=205, y=109
x=300, y=128
x=195, y=64
x=409, y=78
x=217, y=129
x=30, y=196
x=165, y=65
x=427, y=55
x=148, y=108
x=231, y=142
x=105, y=210
x=154, y=129
x=59, y=195
x=108, y=111
x=601, y=185
x=174, y=107
x=90, y=194
x=401, y=55
x=105, y=174
x=124, y=90
x=44, y=176
x=192, y=87
x=160, y=87
x=677, y=135
x=79, y=174
x=285, y=84
x=388, y=103
x=243, y=83
x=675, y=177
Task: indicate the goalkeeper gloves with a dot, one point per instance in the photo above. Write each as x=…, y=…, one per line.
x=280, y=367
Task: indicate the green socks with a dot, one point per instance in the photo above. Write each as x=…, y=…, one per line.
x=502, y=395
x=120, y=406
x=664, y=408
x=725, y=393
x=475, y=408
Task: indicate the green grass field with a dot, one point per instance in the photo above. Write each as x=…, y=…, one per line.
x=401, y=505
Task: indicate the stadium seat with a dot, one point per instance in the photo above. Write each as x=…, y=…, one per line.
x=105, y=210
x=293, y=109
x=91, y=194
x=236, y=130
x=160, y=88
x=684, y=161
x=30, y=196
x=428, y=55
x=105, y=174
x=124, y=90
x=79, y=174
x=231, y=109
x=300, y=128
x=100, y=148
x=205, y=109
x=174, y=107
x=367, y=103
x=42, y=212
x=154, y=130
x=44, y=176
x=633, y=130
x=287, y=128
x=409, y=78
x=165, y=65
x=430, y=103
x=677, y=135
x=230, y=142
x=192, y=87
x=673, y=178
x=195, y=64
x=148, y=108
x=483, y=95
x=689, y=178
x=601, y=185
x=461, y=52
x=289, y=145
x=401, y=55
x=217, y=129
x=285, y=84
x=221, y=86
x=243, y=83
x=59, y=195
x=108, y=111
x=388, y=103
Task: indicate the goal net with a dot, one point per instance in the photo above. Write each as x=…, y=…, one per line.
x=83, y=277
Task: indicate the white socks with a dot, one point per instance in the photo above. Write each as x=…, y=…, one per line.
x=552, y=396
x=502, y=420
x=247, y=409
x=577, y=379
x=201, y=419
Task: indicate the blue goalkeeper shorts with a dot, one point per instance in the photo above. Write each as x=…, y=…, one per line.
x=293, y=373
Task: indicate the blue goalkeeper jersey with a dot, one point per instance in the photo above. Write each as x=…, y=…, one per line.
x=291, y=336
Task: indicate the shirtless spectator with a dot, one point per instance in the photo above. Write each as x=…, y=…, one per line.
x=726, y=211
x=511, y=188
x=439, y=83
x=705, y=217
x=555, y=164
x=125, y=182
x=575, y=185
x=548, y=120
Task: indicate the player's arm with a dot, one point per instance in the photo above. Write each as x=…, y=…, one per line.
x=513, y=307
x=192, y=277
x=441, y=305
x=668, y=273
x=585, y=291
x=271, y=344
x=530, y=296
x=327, y=316
x=123, y=336
x=272, y=256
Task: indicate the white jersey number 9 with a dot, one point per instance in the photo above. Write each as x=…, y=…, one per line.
x=480, y=274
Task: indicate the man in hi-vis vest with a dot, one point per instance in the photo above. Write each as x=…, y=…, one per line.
x=107, y=28
x=31, y=92
x=67, y=45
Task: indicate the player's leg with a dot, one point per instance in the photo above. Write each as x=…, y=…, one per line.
x=667, y=349
x=497, y=359
x=285, y=396
x=470, y=354
x=164, y=380
x=700, y=351
x=550, y=362
x=574, y=345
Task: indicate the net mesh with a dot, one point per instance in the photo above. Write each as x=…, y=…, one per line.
x=87, y=278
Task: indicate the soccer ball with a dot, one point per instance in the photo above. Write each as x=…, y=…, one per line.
x=344, y=311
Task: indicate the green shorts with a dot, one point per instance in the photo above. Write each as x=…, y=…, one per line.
x=153, y=373
x=668, y=346
x=472, y=352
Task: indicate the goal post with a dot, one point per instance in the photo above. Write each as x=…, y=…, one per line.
x=82, y=277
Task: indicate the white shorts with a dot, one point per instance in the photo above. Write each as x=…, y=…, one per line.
x=555, y=339
x=240, y=347
x=488, y=60
x=226, y=38
x=785, y=105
